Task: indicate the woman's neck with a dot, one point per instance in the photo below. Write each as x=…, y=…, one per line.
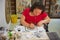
x=32, y=14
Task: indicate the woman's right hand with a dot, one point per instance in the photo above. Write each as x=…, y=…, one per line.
x=31, y=26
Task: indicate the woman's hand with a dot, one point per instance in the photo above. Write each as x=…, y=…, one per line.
x=40, y=23
x=31, y=26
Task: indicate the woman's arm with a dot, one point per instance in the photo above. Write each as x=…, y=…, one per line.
x=45, y=21
x=24, y=23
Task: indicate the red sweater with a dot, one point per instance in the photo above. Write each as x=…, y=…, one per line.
x=33, y=19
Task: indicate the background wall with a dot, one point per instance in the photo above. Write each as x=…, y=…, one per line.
x=2, y=13
x=54, y=26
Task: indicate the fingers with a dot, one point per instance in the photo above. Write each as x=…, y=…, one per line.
x=39, y=24
x=31, y=26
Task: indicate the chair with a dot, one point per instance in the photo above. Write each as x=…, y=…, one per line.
x=46, y=27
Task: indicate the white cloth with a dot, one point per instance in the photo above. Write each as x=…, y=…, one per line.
x=36, y=29
x=37, y=32
x=21, y=28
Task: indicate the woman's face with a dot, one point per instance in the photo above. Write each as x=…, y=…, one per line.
x=37, y=12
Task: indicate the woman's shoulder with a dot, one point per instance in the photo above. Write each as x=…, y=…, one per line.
x=44, y=13
x=26, y=11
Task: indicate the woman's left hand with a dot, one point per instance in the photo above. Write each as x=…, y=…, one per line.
x=40, y=23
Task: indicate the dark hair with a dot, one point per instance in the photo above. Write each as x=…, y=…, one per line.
x=37, y=5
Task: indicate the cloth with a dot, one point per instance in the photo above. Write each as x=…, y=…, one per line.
x=38, y=32
x=33, y=19
x=25, y=29
x=36, y=29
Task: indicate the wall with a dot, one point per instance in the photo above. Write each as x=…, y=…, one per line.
x=54, y=26
x=2, y=13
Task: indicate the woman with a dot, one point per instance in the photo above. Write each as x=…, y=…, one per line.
x=34, y=16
